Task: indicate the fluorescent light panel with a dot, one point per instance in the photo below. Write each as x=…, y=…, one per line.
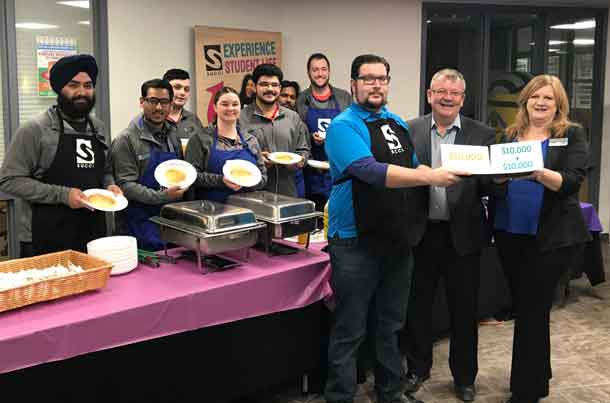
x=584, y=42
x=34, y=25
x=588, y=24
x=84, y=23
x=79, y=4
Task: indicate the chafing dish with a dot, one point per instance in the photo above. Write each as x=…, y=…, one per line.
x=285, y=216
x=207, y=227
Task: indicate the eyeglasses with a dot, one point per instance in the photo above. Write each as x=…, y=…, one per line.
x=266, y=84
x=156, y=101
x=443, y=93
x=370, y=80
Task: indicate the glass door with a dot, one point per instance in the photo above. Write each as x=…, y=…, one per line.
x=3, y=203
x=453, y=40
x=570, y=54
x=511, y=64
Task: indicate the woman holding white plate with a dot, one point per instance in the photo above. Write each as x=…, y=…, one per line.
x=210, y=150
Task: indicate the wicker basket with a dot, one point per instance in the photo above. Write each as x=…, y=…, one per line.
x=94, y=276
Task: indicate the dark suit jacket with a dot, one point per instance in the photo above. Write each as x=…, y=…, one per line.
x=561, y=221
x=469, y=226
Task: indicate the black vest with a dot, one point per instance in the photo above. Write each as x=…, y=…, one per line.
x=382, y=214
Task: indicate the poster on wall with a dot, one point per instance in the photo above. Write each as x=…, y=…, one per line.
x=50, y=49
x=223, y=56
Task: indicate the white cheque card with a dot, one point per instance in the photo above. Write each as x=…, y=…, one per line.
x=473, y=159
x=498, y=159
x=519, y=157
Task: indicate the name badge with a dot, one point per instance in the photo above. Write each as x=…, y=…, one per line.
x=559, y=142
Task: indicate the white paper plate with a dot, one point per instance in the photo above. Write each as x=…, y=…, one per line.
x=113, y=243
x=120, y=202
x=285, y=158
x=318, y=164
x=182, y=167
x=120, y=251
x=250, y=180
x=124, y=267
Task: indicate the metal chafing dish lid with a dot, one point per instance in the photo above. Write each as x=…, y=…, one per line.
x=209, y=216
x=271, y=206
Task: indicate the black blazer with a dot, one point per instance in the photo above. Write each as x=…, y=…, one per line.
x=561, y=220
x=469, y=226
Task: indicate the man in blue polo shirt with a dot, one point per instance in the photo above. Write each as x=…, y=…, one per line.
x=372, y=163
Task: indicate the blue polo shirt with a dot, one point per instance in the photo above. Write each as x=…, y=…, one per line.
x=347, y=141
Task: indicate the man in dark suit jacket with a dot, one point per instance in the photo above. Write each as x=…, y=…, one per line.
x=449, y=229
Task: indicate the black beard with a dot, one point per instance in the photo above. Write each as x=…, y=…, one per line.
x=264, y=102
x=369, y=106
x=73, y=110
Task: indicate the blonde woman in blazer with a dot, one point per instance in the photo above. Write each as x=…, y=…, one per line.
x=539, y=227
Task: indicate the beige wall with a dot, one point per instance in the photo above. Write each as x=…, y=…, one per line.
x=148, y=37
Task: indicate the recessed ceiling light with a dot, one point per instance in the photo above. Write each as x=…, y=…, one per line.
x=583, y=42
x=34, y=25
x=588, y=24
x=84, y=23
x=79, y=4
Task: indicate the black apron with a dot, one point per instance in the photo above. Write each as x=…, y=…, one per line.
x=79, y=163
x=382, y=214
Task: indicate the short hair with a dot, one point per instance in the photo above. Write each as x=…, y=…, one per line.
x=450, y=74
x=293, y=84
x=267, y=69
x=367, y=59
x=223, y=91
x=176, y=74
x=317, y=56
x=157, y=83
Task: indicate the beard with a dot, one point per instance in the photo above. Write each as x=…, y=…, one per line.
x=373, y=107
x=75, y=110
x=313, y=83
x=265, y=102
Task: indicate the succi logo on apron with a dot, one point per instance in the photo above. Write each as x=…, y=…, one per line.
x=391, y=139
x=323, y=124
x=85, y=158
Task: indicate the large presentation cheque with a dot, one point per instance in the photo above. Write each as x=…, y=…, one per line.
x=497, y=159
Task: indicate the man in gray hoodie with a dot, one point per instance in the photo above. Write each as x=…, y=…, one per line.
x=53, y=157
x=276, y=128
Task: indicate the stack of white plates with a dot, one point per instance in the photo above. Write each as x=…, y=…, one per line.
x=121, y=251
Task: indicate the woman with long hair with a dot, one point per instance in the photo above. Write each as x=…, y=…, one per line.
x=539, y=227
x=248, y=90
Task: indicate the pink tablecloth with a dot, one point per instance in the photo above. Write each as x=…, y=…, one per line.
x=149, y=303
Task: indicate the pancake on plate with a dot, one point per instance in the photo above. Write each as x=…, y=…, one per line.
x=101, y=201
x=174, y=176
x=240, y=173
x=283, y=157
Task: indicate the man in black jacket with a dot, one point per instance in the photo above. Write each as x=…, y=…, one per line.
x=449, y=232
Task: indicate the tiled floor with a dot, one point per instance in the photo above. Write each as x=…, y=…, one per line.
x=580, y=334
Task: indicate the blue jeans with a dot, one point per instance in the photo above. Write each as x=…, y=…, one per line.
x=359, y=279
